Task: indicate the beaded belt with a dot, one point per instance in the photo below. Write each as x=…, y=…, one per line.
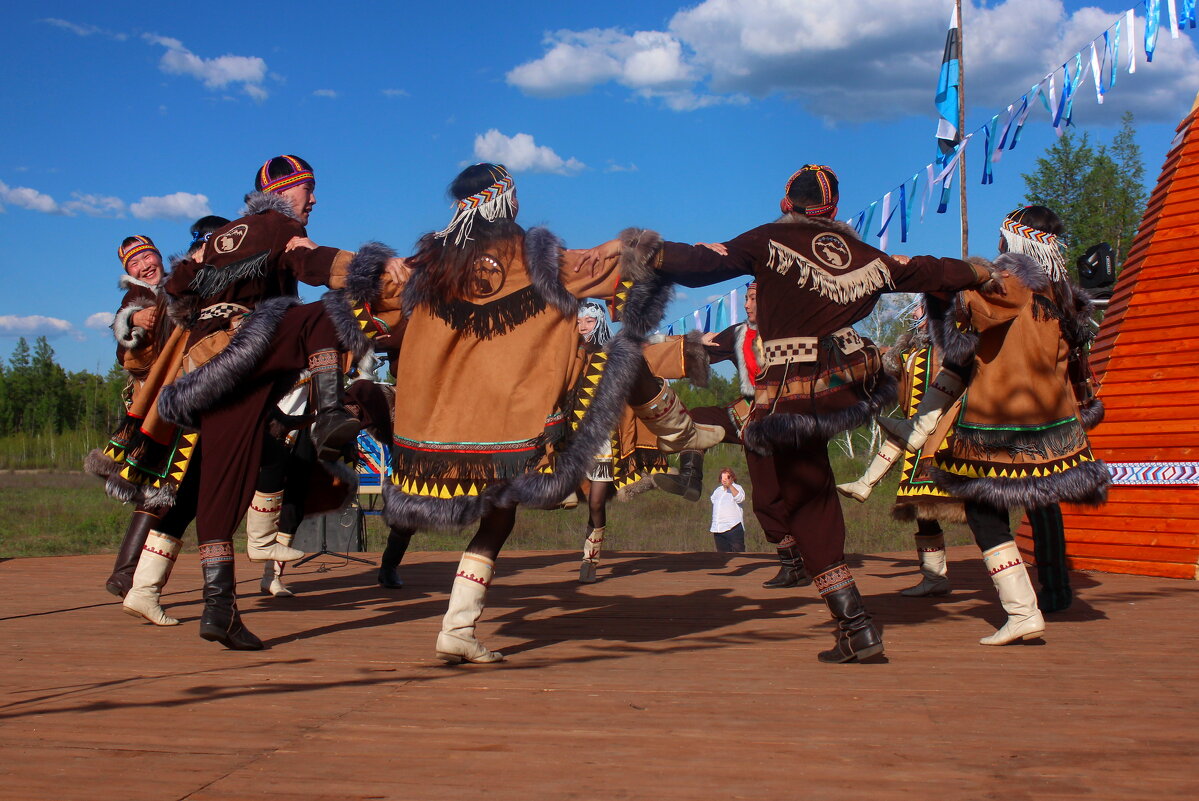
x=222, y=310
x=798, y=350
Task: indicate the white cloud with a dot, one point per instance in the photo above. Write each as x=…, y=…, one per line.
x=843, y=64
x=94, y=205
x=35, y=325
x=99, y=320
x=83, y=30
x=395, y=93
x=176, y=204
x=520, y=153
x=614, y=167
x=214, y=73
x=25, y=198
x=329, y=93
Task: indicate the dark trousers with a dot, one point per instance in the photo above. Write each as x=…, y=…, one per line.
x=1049, y=549
x=731, y=541
x=233, y=432
x=989, y=524
x=795, y=496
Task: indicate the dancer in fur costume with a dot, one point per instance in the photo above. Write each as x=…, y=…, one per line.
x=742, y=345
x=819, y=377
x=248, y=338
x=486, y=368
x=631, y=456
x=1017, y=436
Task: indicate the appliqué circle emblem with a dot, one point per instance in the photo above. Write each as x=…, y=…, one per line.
x=831, y=250
x=488, y=278
x=230, y=240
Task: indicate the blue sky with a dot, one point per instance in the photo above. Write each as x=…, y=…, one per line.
x=129, y=118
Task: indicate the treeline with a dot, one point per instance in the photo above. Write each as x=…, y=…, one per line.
x=39, y=397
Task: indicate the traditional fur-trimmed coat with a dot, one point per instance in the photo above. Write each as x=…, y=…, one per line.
x=135, y=345
x=1018, y=438
x=486, y=381
x=815, y=277
x=741, y=345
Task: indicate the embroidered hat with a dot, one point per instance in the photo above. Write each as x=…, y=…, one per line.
x=813, y=176
x=294, y=171
x=136, y=244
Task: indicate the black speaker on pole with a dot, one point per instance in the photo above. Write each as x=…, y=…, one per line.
x=1097, y=270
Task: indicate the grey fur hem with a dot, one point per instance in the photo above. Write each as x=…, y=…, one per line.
x=947, y=511
x=793, y=430
x=123, y=490
x=823, y=223
x=643, y=312
x=639, y=487
x=362, y=286
x=1085, y=484
x=183, y=401
x=1092, y=414
x=128, y=335
x=695, y=359
x=258, y=202
x=638, y=247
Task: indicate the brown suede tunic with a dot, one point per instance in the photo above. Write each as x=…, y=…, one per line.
x=479, y=409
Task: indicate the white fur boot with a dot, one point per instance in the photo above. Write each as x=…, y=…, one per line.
x=456, y=642
x=591, y=555
x=153, y=570
x=933, y=567
x=879, y=466
x=1024, y=620
x=262, y=530
x=945, y=388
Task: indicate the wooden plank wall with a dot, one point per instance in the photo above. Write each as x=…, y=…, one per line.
x=1147, y=357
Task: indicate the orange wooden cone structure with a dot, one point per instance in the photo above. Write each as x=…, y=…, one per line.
x=1147, y=358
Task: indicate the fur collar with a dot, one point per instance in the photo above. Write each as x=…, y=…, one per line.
x=258, y=202
x=1026, y=269
x=127, y=282
x=823, y=223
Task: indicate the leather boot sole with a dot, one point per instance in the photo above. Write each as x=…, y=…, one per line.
x=140, y=616
x=835, y=657
x=214, y=634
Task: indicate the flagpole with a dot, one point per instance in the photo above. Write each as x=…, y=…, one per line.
x=962, y=127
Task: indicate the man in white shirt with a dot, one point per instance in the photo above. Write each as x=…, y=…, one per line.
x=727, y=529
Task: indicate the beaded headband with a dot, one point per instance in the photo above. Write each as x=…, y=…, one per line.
x=827, y=208
x=497, y=200
x=298, y=175
x=141, y=244
x=1040, y=245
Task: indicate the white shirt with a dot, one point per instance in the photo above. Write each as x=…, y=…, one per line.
x=726, y=507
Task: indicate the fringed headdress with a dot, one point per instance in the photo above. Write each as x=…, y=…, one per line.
x=827, y=207
x=1037, y=244
x=601, y=333
x=492, y=203
x=915, y=314
x=138, y=244
x=299, y=175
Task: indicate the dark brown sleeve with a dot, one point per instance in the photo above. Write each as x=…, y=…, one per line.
x=311, y=266
x=932, y=274
x=723, y=348
x=696, y=265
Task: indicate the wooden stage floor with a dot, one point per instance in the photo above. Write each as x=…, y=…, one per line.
x=675, y=677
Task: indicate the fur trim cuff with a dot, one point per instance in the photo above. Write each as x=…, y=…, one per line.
x=1085, y=485
x=957, y=346
x=362, y=286
x=1091, y=414
x=128, y=335
x=638, y=248
x=1026, y=270
x=792, y=430
x=695, y=359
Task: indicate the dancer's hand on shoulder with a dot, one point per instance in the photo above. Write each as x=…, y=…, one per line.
x=398, y=270
x=299, y=242
x=709, y=338
x=594, y=258
x=900, y=259
x=715, y=247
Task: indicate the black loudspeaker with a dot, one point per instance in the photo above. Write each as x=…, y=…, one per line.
x=1097, y=270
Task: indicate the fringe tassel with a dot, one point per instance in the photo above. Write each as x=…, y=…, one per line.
x=211, y=280
x=980, y=444
x=841, y=289
x=488, y=320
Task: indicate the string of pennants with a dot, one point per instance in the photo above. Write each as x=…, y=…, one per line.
x=715, y=316
x=1099, y=61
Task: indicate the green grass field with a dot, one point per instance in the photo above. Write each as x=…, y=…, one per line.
x=59, y=513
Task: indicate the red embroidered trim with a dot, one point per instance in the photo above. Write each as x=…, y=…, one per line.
x=832, y=580
x=216, y=553
x=748, y=354
x=1005, y=566
x=472, y=577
